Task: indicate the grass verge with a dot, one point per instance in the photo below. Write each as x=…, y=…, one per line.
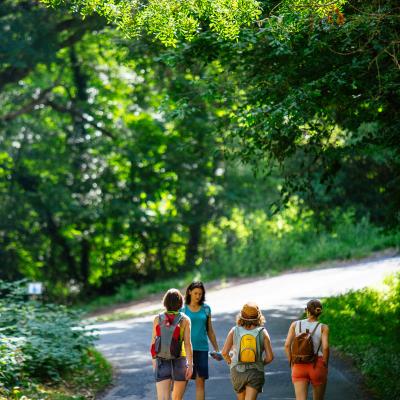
x=93, y=376
x=365, y=325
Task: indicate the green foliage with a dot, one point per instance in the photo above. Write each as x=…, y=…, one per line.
x=170, y=20
x=319, y=97
x=93, y=375
x=250, y=244
x=110, y=183
x=115, y=153
x=365, y=324
x=38, y=341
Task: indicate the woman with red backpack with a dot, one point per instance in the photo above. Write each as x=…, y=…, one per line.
x=171, y=348
x=307, y=349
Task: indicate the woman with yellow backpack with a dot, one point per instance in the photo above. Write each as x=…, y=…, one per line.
x=250, y=348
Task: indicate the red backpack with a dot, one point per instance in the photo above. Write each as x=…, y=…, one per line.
x=168, y=344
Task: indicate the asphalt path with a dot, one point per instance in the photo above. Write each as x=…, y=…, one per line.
x=282, y=299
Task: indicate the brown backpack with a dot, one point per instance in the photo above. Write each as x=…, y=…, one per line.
x=302, y=350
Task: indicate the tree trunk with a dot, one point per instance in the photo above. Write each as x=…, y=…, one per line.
x=85, y=263
x=192, y=247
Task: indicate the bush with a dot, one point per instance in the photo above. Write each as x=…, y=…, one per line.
x=365, y=324
x=38, y=341
x=254, y=244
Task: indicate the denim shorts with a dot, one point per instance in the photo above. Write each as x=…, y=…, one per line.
x=200, y=364
x=170, y=369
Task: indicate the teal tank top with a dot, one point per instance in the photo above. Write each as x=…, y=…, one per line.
x=198, y=321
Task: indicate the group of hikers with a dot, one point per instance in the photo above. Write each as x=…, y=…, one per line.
x=179, y=348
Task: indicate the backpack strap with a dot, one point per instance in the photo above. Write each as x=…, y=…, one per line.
x=316, y=326
x=261, y=342
x=178, y=319
x=319, y=346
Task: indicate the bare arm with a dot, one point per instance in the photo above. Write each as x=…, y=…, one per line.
x=289, y=339
x=227, y=347
x=188, y=347
x=325, y=344
x=211, y=334
x=269, y=354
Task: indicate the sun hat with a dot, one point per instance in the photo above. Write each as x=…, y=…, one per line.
x=250, y=312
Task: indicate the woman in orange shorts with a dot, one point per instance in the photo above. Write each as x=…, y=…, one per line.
x=314, y=372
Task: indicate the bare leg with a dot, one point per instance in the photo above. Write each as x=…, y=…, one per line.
x=163, y=389
x=319, y=392
x=301, y=389
x=251, y=393
x=178, y=390
x=241, y=396
x=200, y=391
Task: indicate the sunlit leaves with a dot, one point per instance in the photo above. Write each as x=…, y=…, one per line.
x=170, y=20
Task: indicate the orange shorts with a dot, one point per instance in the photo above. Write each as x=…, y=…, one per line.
x=317, y=374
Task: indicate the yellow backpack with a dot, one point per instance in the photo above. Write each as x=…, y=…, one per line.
x=250, y=348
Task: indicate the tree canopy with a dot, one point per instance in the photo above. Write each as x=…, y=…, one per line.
x=125, y=134
x=170, y=21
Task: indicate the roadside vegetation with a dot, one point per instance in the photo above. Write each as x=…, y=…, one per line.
x=45, y=350
x=164, y=149
x=365, y=325
x=148, y=144
x=254, y=244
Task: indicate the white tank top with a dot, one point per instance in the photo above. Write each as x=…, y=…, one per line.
x=305, y=324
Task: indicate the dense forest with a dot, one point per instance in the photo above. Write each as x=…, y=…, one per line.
x=136, y=145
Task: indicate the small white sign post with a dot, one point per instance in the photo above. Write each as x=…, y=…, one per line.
x=35, y=289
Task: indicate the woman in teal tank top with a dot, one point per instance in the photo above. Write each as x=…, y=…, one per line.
x=201, y=331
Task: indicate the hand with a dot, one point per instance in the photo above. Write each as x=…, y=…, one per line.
x=189, y=371
x=216, y=355
x=154, y=363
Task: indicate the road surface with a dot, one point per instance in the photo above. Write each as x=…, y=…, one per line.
x=282, y=299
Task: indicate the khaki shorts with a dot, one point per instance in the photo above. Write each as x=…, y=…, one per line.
x=250, y=377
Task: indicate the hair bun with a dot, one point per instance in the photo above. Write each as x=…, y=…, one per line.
x=314, y=307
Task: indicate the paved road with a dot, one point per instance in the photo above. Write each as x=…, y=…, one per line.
x=126, y=343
